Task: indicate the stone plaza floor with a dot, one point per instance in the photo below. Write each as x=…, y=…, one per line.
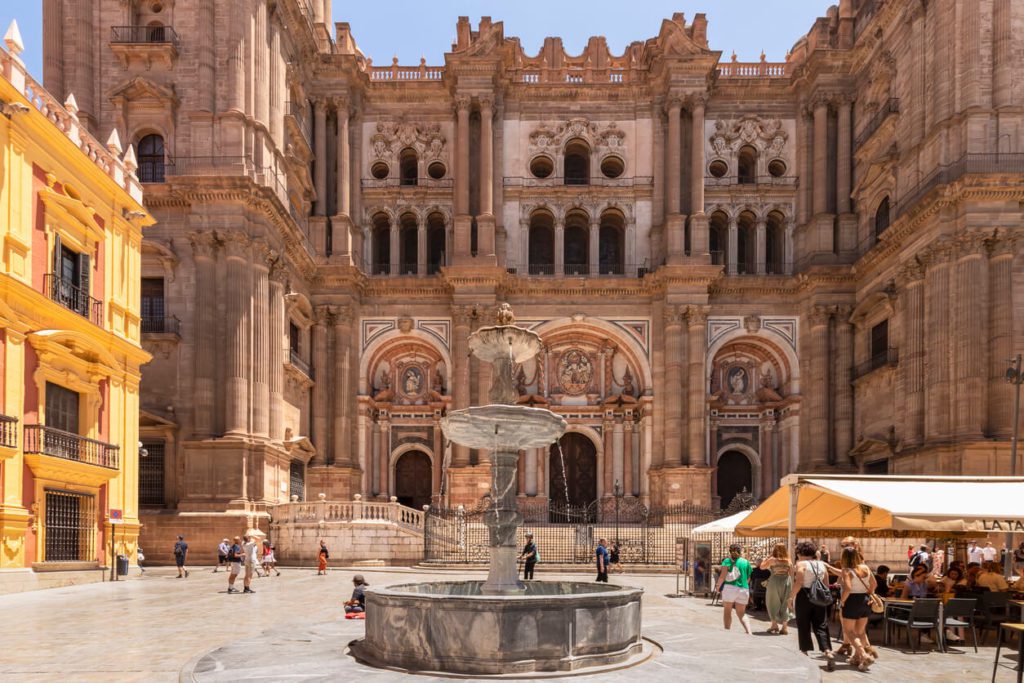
x=160, y=628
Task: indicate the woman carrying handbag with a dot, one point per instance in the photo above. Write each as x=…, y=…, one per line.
x=857, y=603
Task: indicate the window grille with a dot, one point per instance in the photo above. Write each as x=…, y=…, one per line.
x=151, y=474
x=297, y=480
x=69, y=521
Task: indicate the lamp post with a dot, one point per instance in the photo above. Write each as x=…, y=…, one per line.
x=617, y=492
x=1015, y=376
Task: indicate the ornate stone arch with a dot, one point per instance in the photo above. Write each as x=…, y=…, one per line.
x=401, y=450
x=387, y=347
x=776, y=337
x=755, y=463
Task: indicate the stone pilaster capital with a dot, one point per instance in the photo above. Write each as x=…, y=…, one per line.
x=278, y=272
x=973, y=242
x=204, y=245
x=674, y=315
x=819, y=315
x=821, y=99
x=1004, y=243
x=842, y=312
x=673, y=102
x=697, y=316
x=910, y=272
x=322, y=315
x=937, y=253
x=463, y=314
x=236, y=244
x=320, y=104
x=486, y=104
x=342, y=314
x=697, y=101
x=263, y=255
x=462, y=104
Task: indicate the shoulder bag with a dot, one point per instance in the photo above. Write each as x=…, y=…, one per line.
x=818, y=593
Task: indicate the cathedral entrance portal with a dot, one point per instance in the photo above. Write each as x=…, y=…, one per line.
x=735, y=474
x=413, y=479
x=573, y=474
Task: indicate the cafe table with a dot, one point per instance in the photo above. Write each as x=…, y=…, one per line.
x=1019, y=630
x=1019, y=604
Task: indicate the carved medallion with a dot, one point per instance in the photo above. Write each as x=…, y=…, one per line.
x=575, y=372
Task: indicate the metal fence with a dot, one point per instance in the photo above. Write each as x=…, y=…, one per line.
x=569, y=534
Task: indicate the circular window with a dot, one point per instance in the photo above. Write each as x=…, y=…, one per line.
x=718, y=168
x=541, y=167
x=380, y=170
x=436, y=170
x=157, y=8
x=777, y=168
x=612, y=167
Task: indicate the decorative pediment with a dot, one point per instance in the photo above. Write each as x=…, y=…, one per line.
x=63, y=201
x=140, y=89
x=676, y=39
x=392, y=137
x=551, y=137
x=766, y=135
x=49, y=343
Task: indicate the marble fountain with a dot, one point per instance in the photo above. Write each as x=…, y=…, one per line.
x=502, y=626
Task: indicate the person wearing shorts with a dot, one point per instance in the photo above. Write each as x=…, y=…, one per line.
x=235, y=563
x=734, y=584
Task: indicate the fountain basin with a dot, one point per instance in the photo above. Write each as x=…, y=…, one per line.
x=452, y=626
x=504, y=342
x=502, y=427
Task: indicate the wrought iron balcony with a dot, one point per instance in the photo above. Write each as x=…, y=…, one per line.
x=888, y=358
x=72, y=297
x=143, y=34
x=8, y=431
x=161, y=325
x=300, y=114
x=890, y=106
x=297, y=361
x=60, y=444
x=603, y=269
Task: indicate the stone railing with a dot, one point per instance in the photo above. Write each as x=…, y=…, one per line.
x=404, y=73
x=325, y=511
x=761, y=69
x=118, y=164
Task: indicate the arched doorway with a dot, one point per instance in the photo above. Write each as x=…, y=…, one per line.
x=573, y=474
x=735, y=474
x=413, y=479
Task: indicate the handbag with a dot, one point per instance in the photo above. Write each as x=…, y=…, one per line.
x=874, y=602
x=818, y=593
x=734, y=573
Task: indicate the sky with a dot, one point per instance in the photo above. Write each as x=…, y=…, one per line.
x=410, y=29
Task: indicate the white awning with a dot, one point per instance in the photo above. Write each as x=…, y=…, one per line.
x=725, y=525
x=856, y=504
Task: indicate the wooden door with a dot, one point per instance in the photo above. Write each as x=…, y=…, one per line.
x=413, y=479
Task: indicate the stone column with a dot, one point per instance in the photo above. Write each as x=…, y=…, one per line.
x=320, y=384
x=618, y=462
x=733, y=248
x=384, y=457
x=374, y=463
x=816, y=390
x=803, y=169
x=343, y=159
x=843, y=363
x=462, y=171
x=697, y=169
x=261, y=342
x=559, y=247
x=204, y=250
x=595, y=245
x=912, y=354
x=395, y=249
x=844, y=134
x=697, y=386
x=1000, y=286
x=421, y=248
x=460, y=372
x=627, y=456
x=276, y=90
x=820, y=189
x=787, y=246
x=276, y=355
x=320, y=158
x=608, y=436
x=760, y=251
x=238, y=326
x=970, y=308
x=261, y=69
x=486, y=224
x=673, y=440
x=937, y=330
x=236, y=61
x=318, y=12
x=672, y=161
x=530, y=465
x=343, y=391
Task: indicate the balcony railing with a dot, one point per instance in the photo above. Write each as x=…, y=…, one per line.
x=967, y=164
x=888, y=358
x=161, y=325
x=578, y=270
x=72, y=297
x=144, y=34
x=297, y=361
x=8, y=431
x=61, y=444
x=890, y=106
x=725, y=181
x=300, y=113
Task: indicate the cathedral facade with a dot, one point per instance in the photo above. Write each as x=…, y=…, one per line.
x=738, y=270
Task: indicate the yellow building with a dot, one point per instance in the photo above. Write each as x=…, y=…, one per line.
x=71, y=217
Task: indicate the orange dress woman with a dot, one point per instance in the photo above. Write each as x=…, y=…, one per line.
x=322, y=556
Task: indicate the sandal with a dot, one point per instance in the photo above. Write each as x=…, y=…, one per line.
x=830, y=661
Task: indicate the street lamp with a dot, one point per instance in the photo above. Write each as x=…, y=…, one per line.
x=1015, y=376
x=618, y=493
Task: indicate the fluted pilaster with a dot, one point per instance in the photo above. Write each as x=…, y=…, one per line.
x=238, y=327
x=261, y=340
x=844, y=149
x=462, y=171
x=344, y=392
x=673, y=439
x=461, y=319
x=912, y=353
x=276, y=353
x=205, y=248
x=970, y=360
x=320, y=160
x=321, y=375
x=937, y=327
x=697, y=389
x=672, y=162
x=842, y=365
x=820, y=180
x=815, y=453
x=1000, y=341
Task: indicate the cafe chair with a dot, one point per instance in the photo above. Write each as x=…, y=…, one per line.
x=993, y=609
x=923, y=616
x=959, y=613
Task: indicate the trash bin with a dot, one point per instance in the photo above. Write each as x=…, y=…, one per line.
x=122, y=565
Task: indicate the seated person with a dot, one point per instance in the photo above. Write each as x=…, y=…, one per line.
x=991, y=577
x=954, y=578
x=357, y=604
x=882, y=579
x=917, y=586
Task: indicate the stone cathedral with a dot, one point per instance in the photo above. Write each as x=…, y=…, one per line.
x=738, y=270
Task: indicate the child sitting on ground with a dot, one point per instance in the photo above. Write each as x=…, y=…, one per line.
x=356, y=607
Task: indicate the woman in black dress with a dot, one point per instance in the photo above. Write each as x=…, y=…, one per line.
x=858, y=583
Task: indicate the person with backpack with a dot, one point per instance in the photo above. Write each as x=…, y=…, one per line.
x=920, y=558
x=810, y=599
x=235, y=563
x=530, y=557
x=180, y=554
x=734, y=584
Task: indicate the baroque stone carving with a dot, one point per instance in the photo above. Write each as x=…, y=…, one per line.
x=392, y=137
x=766, y=135
x=575, y=372
x=549, y=138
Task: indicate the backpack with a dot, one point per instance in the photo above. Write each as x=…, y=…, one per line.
x=178, y=551
x=915, y=559
x=818, y=593
x=231, y=554
x=536, y=554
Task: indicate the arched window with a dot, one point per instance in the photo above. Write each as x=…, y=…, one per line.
x=576, y=244
x=612, y=243
x=746, y=167
x=408, y=167
x=381, y=244
x=408, y=244
x=151, y=159
x=542, y=244
x=577, y=163
x=718, y=237
x=435, y=243
x=882, y=217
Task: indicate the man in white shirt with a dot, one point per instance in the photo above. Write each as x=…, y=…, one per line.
x=251, y=560
x=974, y=553
x=988, y=553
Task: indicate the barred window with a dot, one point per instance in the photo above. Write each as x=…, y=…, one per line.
x=151, y=474
x=69, y=520
x=297, y=480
